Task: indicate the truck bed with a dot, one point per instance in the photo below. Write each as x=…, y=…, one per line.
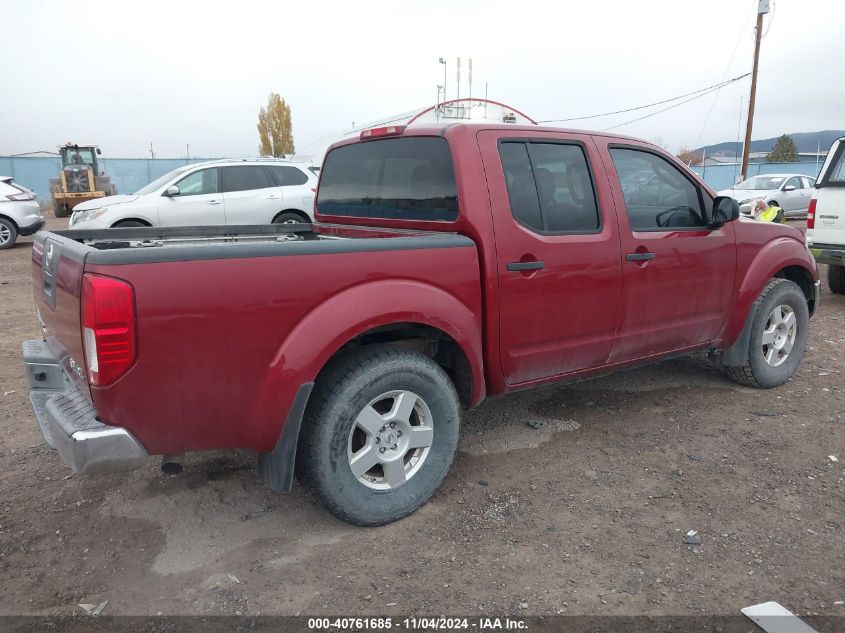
x=232, y=320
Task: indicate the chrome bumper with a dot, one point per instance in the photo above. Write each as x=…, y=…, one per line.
x=69, y=422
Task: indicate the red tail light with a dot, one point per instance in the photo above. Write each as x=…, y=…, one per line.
x=108, y=328
x=378, y=132
x=811, y=214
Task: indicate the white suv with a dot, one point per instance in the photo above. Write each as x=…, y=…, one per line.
x=826, y=217
x=211, y=193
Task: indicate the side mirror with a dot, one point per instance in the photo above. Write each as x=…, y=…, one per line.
x=789, y=188
x=725, y=209
x=171, y=191
x=99, y=151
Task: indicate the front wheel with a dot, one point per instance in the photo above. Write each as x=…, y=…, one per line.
x=778, y=337
x=379, y=435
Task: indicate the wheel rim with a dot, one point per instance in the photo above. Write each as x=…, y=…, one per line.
x=390, y=440
x=779, y=335
x=5, y=234
x=291, y=222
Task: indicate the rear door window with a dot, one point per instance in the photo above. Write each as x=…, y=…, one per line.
x=408, y=178
x=550, y=187
x=286, y=176
x=245, y=178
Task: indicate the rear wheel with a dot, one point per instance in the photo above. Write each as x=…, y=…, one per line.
x=836, y=279
x=778, y=337
x=8, y=234
x=379, y=435
x=290, y=217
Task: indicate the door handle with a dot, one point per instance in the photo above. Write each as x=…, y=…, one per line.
x=272, y=197
x=213, y=202
x=639, y=257
x=520, y=266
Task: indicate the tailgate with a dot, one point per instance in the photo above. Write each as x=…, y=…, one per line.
x=57, y=266
x=829, y=229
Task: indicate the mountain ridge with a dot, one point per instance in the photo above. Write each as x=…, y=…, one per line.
x=804, y=141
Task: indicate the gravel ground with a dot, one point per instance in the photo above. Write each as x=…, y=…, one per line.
x=573, y=500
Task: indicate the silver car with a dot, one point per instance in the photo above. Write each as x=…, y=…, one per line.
x=790, y=192
x=20, y=214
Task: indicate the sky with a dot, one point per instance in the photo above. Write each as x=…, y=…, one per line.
x=175, y=74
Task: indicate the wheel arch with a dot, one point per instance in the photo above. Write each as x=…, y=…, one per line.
x=784, y=257
x=131, y=219
x=12, y=220
x=298, y=212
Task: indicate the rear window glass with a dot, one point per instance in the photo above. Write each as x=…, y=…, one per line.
x=400, y=178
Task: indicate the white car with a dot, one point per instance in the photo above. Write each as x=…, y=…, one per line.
x=210, y=193
x=826, y=218
x=790, y=192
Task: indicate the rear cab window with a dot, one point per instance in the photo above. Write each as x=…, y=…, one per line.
x=409, y=178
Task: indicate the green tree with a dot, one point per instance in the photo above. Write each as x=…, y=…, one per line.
x=274, y=128
x=784, y=151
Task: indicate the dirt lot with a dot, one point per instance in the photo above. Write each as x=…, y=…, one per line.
x=584, y=515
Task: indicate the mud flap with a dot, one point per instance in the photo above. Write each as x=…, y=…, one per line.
x=276, y=469
x=737, y=354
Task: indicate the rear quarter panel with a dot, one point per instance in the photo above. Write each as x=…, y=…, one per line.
x=224, y=344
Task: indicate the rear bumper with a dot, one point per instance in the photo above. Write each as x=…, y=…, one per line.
x=828, y=253
x=32, y=228
x=69, y=422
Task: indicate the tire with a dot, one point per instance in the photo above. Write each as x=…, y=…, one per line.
x=290, y=217
x=125, y=224
x=8, y=234
x=757, y=371
x=60, y=210
x=333, y=438
x=836, y=279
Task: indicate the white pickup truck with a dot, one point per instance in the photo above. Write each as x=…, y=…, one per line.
x=826, y=217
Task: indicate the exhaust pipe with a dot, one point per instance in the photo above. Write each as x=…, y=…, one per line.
x=172, y=464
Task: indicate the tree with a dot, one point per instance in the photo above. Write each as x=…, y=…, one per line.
x=689, y=156
x=274, y=128
x=784, y=151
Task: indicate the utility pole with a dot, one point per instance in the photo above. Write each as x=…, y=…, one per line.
x=152, y=152
x=443, y=61
x=762, y=9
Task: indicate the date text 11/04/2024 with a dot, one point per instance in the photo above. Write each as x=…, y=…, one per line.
x=417, y=624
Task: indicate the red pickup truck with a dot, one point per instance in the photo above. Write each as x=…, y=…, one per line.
x=448, y=264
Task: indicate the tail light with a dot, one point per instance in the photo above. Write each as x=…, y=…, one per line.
x=108, y=328
x=811, y=214
x=21, y=197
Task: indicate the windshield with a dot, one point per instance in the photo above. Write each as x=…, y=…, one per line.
x=159, y=182
x=761, y=183
x=81, y=156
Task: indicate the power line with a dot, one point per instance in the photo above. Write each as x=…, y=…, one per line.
x=675, y=105
x=706, y=90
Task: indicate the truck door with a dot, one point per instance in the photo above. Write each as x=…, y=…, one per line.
x=678, y=275
x=558, y=253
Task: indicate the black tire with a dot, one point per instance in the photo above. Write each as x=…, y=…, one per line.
x=290, y=217
x=836, y=279
x=8, y=234
x=125, y=224
x=756, y=372
x=345, y=388
x=60, y=210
